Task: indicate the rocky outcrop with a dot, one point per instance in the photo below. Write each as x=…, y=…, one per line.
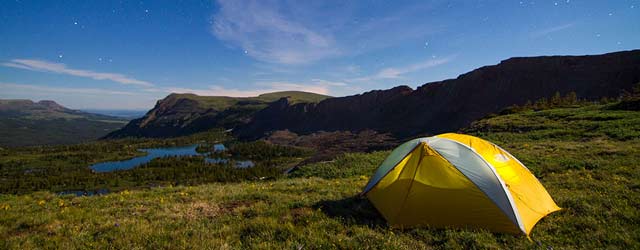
x=183, y=114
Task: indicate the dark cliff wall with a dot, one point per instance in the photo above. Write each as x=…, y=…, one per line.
x=451, y=104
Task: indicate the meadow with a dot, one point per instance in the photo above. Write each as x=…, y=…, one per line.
x=587, y=156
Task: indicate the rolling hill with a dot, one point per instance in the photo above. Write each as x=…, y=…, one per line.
x=28, y=123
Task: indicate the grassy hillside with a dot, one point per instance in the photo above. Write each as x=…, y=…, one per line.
x=587, y=157
x=294, y=96
x=185, y=114
x=225, y=102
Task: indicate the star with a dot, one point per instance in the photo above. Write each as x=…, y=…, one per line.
x=146, y=11
x=60, y=56
x=75, y=23
x=100, y=59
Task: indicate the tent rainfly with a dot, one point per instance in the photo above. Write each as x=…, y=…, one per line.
x=455, y=180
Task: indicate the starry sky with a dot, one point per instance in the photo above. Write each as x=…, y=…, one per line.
x=129, y=54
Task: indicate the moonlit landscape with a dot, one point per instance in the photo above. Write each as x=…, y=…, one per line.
x=233, y=124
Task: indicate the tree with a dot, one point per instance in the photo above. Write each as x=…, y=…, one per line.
x=571, y=98
x=556, y=99
x=541, y=104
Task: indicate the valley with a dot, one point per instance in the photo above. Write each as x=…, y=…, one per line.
x=28, y=123
x=244, y=124
x=585, y=154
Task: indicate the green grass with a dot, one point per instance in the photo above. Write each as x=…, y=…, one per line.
x=587, y=157
x=225, y=102
x=294, y=96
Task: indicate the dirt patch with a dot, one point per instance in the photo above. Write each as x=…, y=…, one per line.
x=330, y=144
x=195, y=210
x=299, y=215
x=233, y=205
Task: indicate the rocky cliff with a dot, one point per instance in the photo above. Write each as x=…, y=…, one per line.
x=451, y=104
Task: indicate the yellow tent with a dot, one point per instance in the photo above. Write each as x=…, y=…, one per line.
x=455, y=180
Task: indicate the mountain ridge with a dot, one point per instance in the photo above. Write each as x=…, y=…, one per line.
x=451, y=104
x=431, y=108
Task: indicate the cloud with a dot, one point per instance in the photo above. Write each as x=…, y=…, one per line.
x=397, y=72
x=59, y=68
x=327, y=83
x=267, y=35
x=80, y=98
x=26, y=88
x=317, y=86
x=547, y=31
x=300, y=32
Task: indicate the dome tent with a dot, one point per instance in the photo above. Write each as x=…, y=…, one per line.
x=455, y=180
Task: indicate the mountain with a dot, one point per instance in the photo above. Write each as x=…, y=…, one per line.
x=452, y=104
x=28, y=123
x=181, y=114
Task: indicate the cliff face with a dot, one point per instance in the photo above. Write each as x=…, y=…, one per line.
x=451, y=104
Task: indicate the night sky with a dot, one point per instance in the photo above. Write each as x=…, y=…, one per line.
x=128, y=54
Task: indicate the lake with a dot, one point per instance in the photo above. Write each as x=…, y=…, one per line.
x=153, y=153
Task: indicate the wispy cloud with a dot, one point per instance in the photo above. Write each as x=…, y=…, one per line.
x=80, y=98
x=26, y=88
x=267, y=35
x=301, y=32
x=547, y=31
x=59, y=68
x=397, y=72
x=318, y=86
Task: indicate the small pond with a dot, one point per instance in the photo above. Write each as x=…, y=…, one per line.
x=84, y=192
x=153, y=153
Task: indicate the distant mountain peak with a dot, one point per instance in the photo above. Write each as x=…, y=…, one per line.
x=51, y=104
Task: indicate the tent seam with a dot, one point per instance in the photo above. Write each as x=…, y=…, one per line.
x=413, y=179
x=390, y=170
x=502, y=184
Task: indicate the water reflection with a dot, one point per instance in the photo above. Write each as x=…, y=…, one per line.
x=153, y=153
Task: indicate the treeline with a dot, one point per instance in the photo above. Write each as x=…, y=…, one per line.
x=556, y=101
x=64, y=168
x=159, y=172
x=261, y=150
x=570, y=100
